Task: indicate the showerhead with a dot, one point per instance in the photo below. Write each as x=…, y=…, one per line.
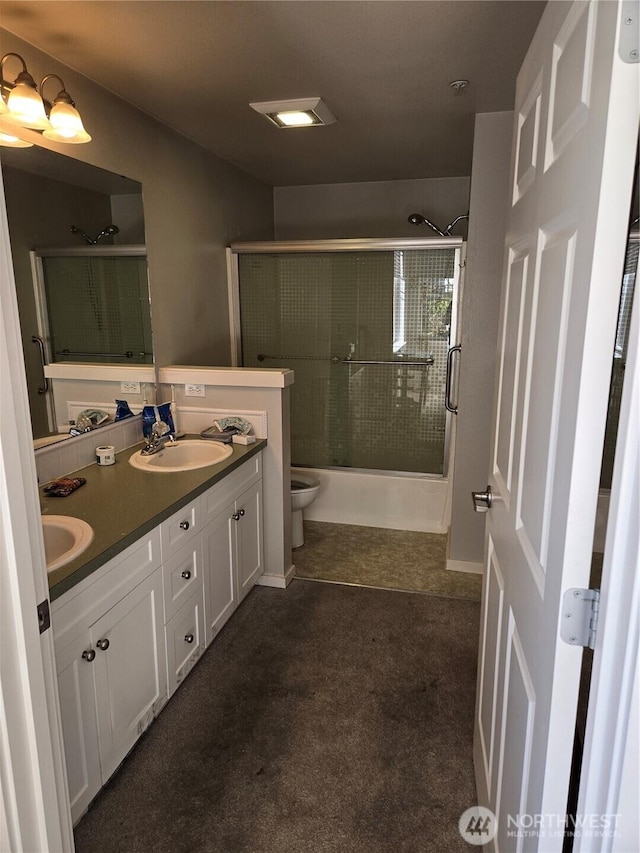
x=419, y=219
x=109, y=231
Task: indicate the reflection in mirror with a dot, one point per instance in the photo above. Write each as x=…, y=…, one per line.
x=57, y=202
x=93, y=304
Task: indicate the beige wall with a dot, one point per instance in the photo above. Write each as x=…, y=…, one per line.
x=371, y=209
x=194, y=202
x=480, y=310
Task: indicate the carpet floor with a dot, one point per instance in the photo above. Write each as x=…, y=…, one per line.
x=389, y=559
x=323, y=719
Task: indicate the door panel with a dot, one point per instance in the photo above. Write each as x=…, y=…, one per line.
x=564, y=254
x=511, y=352
x=518, y=719
x=491, y=645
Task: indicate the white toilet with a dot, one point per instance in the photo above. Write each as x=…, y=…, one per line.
x=303, y=492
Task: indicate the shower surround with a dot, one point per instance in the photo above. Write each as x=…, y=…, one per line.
x=366, y=326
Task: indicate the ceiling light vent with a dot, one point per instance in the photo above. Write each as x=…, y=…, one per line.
x=304, y=112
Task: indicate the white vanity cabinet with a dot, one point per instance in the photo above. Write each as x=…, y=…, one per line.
x=128, y=634
x=110, y=654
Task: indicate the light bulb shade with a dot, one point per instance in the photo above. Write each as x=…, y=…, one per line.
x=4, y=109
x=8, y=140
x=26, y=108
x=66, y=124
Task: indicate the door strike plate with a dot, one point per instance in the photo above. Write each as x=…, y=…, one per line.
x=629, y=42
x=44, y=616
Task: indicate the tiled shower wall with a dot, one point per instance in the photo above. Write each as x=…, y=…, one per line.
x=309, y=311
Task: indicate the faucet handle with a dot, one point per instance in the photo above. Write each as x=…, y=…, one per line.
x=160, y=428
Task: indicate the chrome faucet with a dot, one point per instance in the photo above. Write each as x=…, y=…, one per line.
x=160, y=434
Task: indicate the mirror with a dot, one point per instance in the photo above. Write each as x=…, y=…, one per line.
x=56, y=202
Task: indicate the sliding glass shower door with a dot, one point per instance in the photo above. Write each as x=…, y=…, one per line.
x=367, y=333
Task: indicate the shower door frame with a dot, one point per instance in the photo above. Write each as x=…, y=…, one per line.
x=357, y=245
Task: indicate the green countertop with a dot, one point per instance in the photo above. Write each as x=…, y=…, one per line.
x=122, y=503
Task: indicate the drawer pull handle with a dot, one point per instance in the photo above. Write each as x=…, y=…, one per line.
x=88, y=655
x=241, y=512
x=184, y=525
x=103, y=645
x=188, y=638
x=236, y=516
x=186, y=575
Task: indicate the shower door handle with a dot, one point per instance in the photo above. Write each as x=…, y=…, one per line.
x=447, y=394
x=36, y=340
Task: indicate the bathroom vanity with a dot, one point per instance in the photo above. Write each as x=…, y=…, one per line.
x=173, y=556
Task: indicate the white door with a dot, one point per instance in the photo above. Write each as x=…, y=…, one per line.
x=34, y=801
x=575, y=134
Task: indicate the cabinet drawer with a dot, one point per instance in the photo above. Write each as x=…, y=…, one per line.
x=185, y=640
x=79, y=608
x=228, y=489
x=178, y=530
x=182, y=576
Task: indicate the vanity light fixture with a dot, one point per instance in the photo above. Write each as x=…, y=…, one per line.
x=22, y=105
x=66, y=124
x=305, y=112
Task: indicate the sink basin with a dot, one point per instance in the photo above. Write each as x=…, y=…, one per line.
x=183, y=456
x=65, y=538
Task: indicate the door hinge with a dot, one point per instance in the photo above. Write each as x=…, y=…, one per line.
x=629, y=43
x=580, y=608
x=44, y=617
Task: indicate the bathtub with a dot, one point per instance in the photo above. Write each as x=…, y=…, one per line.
x=378, y=499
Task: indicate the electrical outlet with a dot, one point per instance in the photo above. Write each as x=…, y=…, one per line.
x=130, y=387
x=194, y=390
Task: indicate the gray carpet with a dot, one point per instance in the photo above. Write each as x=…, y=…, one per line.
x=323, y=719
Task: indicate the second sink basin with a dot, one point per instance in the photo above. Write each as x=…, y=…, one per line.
x=65, y=538
x=182, y=456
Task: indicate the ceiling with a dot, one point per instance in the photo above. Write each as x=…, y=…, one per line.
x=383, y=67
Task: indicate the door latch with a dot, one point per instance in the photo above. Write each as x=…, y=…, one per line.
x=482, y=500
x=44, y=616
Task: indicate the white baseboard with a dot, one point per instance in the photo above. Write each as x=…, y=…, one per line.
x=277, y=581
x=465, y=566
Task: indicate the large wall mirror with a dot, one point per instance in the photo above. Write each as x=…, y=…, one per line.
x=69, y=209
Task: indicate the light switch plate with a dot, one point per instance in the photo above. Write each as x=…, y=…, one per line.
x=130, y=387
x=194, y=390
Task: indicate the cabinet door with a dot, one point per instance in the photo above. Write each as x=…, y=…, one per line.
x=130, y=670
x=219, y=557
x=185, y=640
x=79, y=722
x=249, y=538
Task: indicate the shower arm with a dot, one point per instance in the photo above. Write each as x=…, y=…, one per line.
x=419, y=219
x=435, y=227
x=447, y=230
